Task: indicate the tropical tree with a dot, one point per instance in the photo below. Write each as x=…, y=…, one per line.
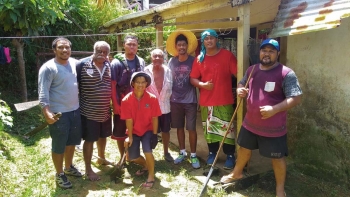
x=21, y=18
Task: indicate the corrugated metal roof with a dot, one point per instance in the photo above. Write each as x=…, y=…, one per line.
x=301, y=16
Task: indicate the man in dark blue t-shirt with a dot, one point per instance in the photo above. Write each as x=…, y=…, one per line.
x=121, y=70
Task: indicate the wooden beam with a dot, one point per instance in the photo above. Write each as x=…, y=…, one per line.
x=166, y=11
x=243, y=35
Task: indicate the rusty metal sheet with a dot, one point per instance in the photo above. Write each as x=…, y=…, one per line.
x=303, y=16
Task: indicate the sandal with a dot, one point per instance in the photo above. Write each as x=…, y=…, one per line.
x=228, y=179
x=148, y=184
x=141, y=172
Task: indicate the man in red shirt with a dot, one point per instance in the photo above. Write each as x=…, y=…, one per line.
x=212, y=73
x=140, y=110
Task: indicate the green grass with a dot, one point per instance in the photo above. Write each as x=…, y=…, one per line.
x=26, y=169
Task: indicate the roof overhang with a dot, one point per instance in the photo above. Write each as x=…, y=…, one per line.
x=167, y=11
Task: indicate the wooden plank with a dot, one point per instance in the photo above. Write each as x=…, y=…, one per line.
x=243, y=35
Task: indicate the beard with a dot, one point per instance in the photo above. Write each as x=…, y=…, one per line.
x=267, y=62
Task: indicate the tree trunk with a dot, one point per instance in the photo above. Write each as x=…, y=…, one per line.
x=22, y=69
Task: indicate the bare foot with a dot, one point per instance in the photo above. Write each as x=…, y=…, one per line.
x=92, y=176
x=104, y=162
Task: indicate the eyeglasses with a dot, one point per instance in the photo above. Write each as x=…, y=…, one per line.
x=102, y=52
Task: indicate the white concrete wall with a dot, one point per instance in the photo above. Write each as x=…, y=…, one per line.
x=321, y=61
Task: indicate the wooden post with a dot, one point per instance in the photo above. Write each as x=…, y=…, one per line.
x=243, y=35
x=159, y=36
x=119, y=43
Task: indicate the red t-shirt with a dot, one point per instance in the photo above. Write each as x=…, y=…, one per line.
x=140, y=111
x=219, y=68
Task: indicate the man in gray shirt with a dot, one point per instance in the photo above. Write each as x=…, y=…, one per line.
x=58, y=92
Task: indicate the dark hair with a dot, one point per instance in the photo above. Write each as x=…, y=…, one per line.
x=54, y=42
x=130, y=36
x=181, y=37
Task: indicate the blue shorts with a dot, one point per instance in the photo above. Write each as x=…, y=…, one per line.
x=164, y=122
x=66, y=131
x=134, y=149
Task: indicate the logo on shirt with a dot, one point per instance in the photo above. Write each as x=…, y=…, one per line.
x=181, y=75
x=147, y=105
x=89, y=71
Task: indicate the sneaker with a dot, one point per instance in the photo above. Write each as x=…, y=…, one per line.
x=62, y=181
x=230, y=162
x=168, y=157
x=195, y=162
x=211, y=158
x=72, y=171
x=180, y=158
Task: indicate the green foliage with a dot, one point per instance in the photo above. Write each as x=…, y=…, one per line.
x=147, y=40
x=28, y=16
x=5, y=116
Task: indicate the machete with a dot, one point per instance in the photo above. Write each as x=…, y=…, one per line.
x=42, y=126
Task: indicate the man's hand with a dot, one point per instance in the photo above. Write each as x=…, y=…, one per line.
x=242, y=92
x=127, y=142
x=49, y=117
x=154, y=141
x=207, y=85
x=267, y=111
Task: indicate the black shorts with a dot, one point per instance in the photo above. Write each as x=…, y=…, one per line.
x=271, y=147
x=119, y=129
x=164, y=122
x=182, y=111
x=93, y=130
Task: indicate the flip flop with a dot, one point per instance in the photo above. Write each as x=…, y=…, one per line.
x=141, y=172
x=228, y=179
x=148, y=184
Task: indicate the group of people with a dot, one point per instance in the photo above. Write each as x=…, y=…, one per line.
x=147, y=100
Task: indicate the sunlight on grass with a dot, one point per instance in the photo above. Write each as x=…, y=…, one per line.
x=27, y=170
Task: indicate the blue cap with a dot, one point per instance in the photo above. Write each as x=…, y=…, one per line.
x=271, y=42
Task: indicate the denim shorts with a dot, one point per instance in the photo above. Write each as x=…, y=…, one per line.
x=134, y=149
x=66, y=131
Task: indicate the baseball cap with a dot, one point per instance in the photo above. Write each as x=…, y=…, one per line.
x=271, y=42
x=141, y=74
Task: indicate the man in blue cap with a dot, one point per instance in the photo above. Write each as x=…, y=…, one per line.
x=212, y=73
x=273, y=89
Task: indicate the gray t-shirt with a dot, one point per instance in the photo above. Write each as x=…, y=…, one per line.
x=183, y=91
x=58, y=86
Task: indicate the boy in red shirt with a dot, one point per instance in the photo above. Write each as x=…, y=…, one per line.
x=140, y=110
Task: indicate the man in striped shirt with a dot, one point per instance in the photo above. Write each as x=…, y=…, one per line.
x=94, y=78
